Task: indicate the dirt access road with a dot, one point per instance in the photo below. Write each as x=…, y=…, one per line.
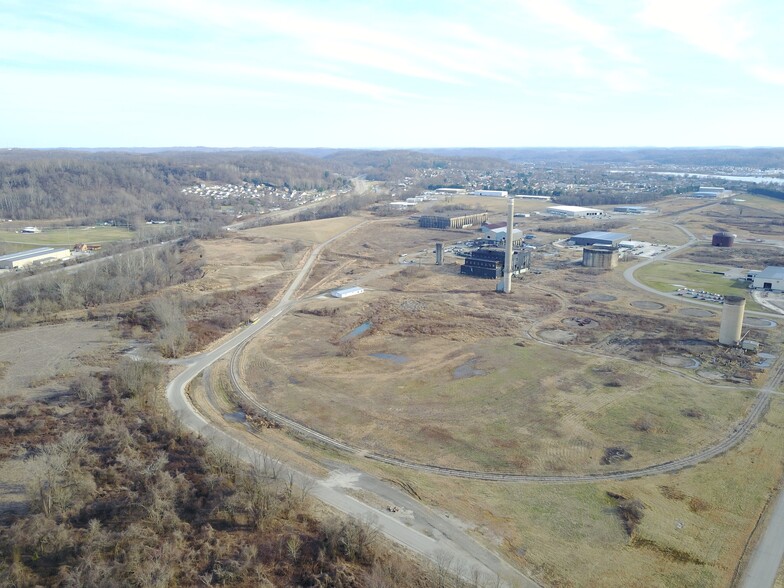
x=416, y=527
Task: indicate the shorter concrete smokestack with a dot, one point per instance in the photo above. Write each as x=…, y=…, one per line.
x=731, y=328
x=439, y=253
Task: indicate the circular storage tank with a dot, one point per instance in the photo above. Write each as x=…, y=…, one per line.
x=600, y=257
x=732, y=320
x=723, y=239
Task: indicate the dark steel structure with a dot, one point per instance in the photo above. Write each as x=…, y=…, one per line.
x=488, y=262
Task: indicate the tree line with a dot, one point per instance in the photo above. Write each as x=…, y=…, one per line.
x=58, y=184
x=116, y=279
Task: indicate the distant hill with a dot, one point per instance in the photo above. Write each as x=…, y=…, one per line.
x=763, y=158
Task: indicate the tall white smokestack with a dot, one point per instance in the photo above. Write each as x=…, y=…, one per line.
x=509, y=239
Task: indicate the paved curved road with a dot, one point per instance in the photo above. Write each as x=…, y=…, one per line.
x=628, y=275
x=414, y=525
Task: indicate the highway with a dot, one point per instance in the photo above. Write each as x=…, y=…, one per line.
x=422, y=530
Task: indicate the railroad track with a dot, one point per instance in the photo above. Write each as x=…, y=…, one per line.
x=738, y=434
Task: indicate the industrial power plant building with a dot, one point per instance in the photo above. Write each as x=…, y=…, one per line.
x=601, y=238
x=488, y=262
x=33, y=257
x=452, y=221
x=573, y=211
x=771, y=278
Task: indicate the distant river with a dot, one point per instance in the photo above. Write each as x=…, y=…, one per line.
x=753, y=179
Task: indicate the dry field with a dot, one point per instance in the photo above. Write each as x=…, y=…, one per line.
x=462, y=384
x=316, y=231
x=693, y=529
x=44, y=359
x=757, y=217
x=438, y=376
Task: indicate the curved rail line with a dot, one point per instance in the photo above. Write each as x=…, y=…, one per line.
x=739, y=432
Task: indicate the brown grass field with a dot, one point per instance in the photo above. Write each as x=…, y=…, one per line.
x=540, y=381
x=462, y=383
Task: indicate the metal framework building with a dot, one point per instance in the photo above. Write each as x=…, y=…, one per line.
x=457, y=221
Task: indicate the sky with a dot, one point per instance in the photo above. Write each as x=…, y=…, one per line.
x=391, y=73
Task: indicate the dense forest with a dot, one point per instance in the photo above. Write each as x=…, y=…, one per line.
x=95, y=186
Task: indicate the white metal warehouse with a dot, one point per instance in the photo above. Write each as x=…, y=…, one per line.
x=346, y=292
x=573, y=211
x=771, y=278
x=33, y=256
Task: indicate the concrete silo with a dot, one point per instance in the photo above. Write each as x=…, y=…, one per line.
x=600, y=257
x=731, y=328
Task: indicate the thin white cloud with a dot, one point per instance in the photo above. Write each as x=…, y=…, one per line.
x=717, y=27
x=723, y=28
x=768, y=74
x=54, y=50
x=560, y=15
x=426, y=50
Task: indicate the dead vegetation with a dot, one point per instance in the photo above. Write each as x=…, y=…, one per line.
x=615, y=455
x=123, y=496
x=670, y=553
x=629, y=510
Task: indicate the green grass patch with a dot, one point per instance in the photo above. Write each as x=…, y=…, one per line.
x=12, y=241
x=667, y=276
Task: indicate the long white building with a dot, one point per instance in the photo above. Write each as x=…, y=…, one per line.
x=495, y=193
x=33, y=256
x=573, y=211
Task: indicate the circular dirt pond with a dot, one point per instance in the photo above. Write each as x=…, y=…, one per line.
x=697, y=312
x=557, y=336
x=599, y=297
x=581, y=322
x=753, y=321
x=647, y=305
x=680, y=361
